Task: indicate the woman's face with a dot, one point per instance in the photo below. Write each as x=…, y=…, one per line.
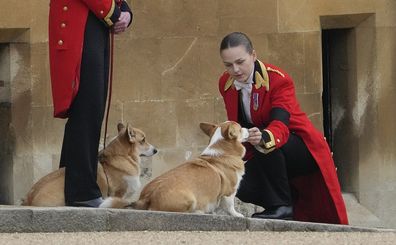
x=238, y=62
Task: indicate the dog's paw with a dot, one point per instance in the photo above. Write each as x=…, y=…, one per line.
x=236, y=214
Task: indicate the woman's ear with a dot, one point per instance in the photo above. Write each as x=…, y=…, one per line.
x=254, y=55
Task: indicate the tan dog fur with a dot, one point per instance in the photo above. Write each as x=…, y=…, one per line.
x=117, y=176
x=206, y=183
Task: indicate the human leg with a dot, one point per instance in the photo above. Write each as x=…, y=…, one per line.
x=82, y=131
x=265, y=184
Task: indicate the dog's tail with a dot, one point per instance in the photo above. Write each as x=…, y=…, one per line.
x=141, y=204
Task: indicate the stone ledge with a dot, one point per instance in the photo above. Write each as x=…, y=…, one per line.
x=69, y=219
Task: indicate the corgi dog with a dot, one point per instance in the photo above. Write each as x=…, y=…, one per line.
x=204, y=184
x=117, y=175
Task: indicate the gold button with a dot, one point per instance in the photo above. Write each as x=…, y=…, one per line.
x=101, y=12
x=60, y=42
x=65, y=8
x=278, y=140
x=63, y=25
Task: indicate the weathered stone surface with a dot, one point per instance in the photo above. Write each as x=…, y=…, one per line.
x=165, y=82
x=68, y=219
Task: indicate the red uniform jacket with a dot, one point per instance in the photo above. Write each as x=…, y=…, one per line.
x=67, y=19
x=319, y=195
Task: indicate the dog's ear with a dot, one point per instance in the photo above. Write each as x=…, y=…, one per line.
x=120, y=127
x=207, y=128
x=131, y=134
x=232, y=132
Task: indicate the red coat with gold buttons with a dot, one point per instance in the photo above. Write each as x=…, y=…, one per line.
x=319, y=195
x=67, y=19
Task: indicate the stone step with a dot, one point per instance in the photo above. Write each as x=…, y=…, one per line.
x=70, y=219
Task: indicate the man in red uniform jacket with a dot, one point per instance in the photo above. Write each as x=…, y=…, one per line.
x=79, y=32
x=289, y=168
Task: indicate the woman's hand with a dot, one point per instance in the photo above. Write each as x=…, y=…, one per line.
x=254, y=136
x=122, y=24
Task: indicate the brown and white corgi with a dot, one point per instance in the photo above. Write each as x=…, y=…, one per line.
x=117, y=176
x=206, y=183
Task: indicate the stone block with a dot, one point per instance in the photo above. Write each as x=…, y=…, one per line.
x=297, y=16
x=295, y=226
x=65, y=219
x=115, y=117
x=286, y=51
x=22, y=176
x=20, y=18
x=248, y=16
x=137, y=74
x=156, y=118
x=47, y=131
x=183, y=18
x=385, y=11
x=169, y=158
x=190, y=114
x=16, y=220
x=309, y=103
x=181, y=75
x=42, y=165
x=14, y=35
x=313, y=62
x=40, y=76
x=39, y=20
x=220, y=111
x=209, y=65
x=126, y=220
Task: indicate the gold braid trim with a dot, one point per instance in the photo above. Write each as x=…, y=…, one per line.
x=109, y=14
x=276, y=71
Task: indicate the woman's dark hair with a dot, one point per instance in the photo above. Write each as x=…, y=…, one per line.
x=235, y=39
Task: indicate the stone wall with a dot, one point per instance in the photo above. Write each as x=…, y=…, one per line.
x=165, y=82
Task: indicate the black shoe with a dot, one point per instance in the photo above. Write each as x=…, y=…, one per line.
x=279, y=212
x=93, y=203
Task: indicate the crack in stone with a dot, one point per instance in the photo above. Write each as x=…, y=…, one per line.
x=182, y=58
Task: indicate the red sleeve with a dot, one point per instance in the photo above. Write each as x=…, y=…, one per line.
x=107, y=10
x=283, y=102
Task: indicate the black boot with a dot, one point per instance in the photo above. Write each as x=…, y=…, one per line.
x=278, y=212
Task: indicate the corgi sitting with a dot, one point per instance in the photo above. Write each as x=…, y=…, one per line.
x=206, y=183
x=117, y=176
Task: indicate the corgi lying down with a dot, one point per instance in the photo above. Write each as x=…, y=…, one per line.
x=206, y=183
x=117, y=176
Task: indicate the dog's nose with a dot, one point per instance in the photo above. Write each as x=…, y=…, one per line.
x=155, y=151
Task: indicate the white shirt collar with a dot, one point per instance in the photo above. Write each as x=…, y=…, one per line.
x=245, y=85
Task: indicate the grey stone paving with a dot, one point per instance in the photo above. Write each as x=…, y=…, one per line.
x=69, y=219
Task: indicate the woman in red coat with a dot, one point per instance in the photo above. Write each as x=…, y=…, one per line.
x=79, y=33
x=289, y=169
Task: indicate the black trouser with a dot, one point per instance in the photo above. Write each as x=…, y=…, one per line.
x=266, y=179
x=82, y=130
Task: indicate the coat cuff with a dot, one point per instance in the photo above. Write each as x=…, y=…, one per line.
x=113, y=15
x=267, y=143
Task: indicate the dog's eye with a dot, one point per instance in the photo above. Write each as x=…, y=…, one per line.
x=143, y=140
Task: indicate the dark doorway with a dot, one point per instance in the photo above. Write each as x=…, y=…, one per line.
x=6, y=143
x=339, y=96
